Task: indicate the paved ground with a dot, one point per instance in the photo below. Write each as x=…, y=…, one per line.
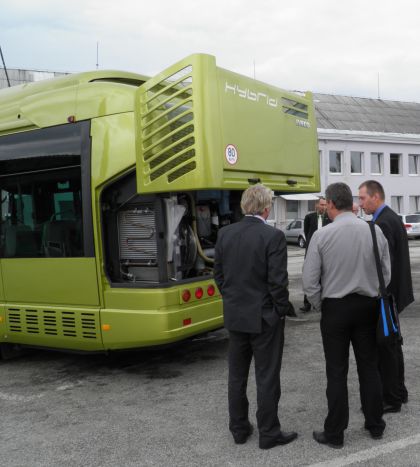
x=168, y=406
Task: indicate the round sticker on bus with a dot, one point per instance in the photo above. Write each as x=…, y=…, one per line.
x=231, y=154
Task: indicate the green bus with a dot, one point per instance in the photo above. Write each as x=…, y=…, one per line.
x=113, y=187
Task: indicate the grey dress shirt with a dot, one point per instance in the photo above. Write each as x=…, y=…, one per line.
x=340, y=260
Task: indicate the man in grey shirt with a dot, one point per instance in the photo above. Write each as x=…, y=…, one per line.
x=340, y=279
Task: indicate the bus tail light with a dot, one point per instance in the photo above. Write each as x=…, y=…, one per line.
x=211, y=290
x=186, y=295
x=199, y=292
x=186, y=322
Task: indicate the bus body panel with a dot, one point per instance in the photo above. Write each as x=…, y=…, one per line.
x=61, y=281
x=79, y=97
x=202, y=127
x=113, y=150
x=1, y=284
x=134, y=328
x=59, y=327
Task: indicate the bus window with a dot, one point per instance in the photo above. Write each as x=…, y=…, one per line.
x=41, y=213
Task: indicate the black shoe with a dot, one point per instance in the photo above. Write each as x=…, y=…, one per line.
x=404, y=400
x=291, y=311
x=285, y=437
x=319, y=437
x=376, y=434
x=392, y=408
x=243, y=437
x=305, y=308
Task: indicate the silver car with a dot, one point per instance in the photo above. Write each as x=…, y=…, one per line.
x=294, y=233
x=412, y=224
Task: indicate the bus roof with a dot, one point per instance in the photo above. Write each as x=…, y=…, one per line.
x=52, y=101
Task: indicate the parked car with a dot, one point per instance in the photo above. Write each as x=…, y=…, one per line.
x=412, y=224
x=294, y=233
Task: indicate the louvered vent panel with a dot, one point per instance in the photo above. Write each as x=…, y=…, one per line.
x=295, y=108
x=137, y=235
x=14, y=320
x=50, y=322
x=89, y=325
x=68, y=323
x=167, y=127
x=53, y=323
x=31, y=321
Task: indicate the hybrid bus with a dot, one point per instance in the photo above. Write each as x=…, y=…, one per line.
x=113, y=187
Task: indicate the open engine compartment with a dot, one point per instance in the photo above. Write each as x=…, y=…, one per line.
x=151, y=240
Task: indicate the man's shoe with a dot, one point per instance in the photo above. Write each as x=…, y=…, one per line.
x=242, y=438
x=285, y=437
x=404, y=400
x=319, y=437
x=305, y=308
x=291, y=311
x=392, y=408
x=376, y=434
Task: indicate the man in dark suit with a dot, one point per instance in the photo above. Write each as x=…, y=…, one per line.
x=391, y=359
x=250, y=270
x=312, y=222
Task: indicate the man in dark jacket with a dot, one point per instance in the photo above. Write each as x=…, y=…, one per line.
x=391, y=359
x=250, y=270
x=312, y=222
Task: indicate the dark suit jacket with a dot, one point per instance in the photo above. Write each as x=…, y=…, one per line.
x=310, y=225
x=401, y=286
x=250, y=270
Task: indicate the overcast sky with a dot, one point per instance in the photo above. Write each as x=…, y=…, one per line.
x=329, y=46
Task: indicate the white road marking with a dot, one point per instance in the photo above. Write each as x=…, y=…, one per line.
x=371, y=453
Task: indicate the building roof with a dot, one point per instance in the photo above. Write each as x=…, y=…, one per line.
x=362, y=114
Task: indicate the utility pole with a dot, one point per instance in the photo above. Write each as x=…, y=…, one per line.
x=4, y=66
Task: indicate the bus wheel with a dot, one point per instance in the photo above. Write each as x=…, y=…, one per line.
x=9, y=351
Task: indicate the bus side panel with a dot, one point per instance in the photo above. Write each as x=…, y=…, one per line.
x=1, y=285
x=62, y=281
x=59, y=327
x=2, y=312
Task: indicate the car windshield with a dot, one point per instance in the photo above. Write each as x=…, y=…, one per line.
x=413, y=218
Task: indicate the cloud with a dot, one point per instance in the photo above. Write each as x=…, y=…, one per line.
x=324, y=46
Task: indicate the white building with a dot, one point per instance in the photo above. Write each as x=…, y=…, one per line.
x=361, y=139
x=18, y=76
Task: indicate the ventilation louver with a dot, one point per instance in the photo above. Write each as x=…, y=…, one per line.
x=167, y=127
x=69, y=324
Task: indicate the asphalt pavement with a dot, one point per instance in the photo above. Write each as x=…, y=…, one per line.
x=168, y=407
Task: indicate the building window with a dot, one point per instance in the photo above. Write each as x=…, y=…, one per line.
x=397, y=204
x=414, y=164
x=376, y=163
x=414, y=203
x=356, y=162
x=395, y=164
x=291, y=209
x=335, y=162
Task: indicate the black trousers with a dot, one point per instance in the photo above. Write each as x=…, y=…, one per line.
x=267, y=350
x=391, y=369
x=351, y=319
